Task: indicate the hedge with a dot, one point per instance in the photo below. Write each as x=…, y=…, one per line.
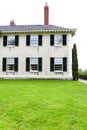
x=83, y=76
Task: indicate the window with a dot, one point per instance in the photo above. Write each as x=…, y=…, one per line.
x=10, y=64
x=11, y=41
x=34, y=64
x=57, y=40
x=58, y=64
x=34, y=40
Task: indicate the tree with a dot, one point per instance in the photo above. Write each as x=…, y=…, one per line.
x=74, y=63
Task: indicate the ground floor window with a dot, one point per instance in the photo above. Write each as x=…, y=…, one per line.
x=58, y=64
x=33, y=64
x=10, y=64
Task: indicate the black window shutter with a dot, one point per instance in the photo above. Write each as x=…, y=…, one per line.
x=28, y=40
x=4, y=64
x=64, y=37
x=64, y=64
x=27, y=64
x=16, y=40
x=52, y=64
x=40, y=64
x=40, y=40
x=16, y=64
x=4, y=40
x=51, y=40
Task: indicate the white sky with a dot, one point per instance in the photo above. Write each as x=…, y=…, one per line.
x=65, y=13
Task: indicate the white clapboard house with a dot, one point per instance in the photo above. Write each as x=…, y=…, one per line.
x=36, y=51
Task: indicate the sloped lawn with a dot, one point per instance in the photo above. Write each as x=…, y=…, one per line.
x=43, y=105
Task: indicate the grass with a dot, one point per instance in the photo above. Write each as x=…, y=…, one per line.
x=43, y=105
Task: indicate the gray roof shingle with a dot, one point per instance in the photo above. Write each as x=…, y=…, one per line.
x=32, y=28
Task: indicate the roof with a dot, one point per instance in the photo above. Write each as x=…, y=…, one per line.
x=38, y=28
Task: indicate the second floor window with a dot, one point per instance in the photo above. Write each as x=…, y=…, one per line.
x=11, y=40
x=57, y=40
x=34, y=40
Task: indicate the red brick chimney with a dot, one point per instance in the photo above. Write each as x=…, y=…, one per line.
x=12, y=23
x=46, y=14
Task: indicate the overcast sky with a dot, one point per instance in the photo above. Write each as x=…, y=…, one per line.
x=65, y=13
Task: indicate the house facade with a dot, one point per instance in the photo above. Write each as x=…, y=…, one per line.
x=36, y=51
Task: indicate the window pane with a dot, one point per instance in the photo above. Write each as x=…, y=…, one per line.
x=10, y=64
x=58, y=67
x=11, y=40
x=34, y=64
x=10, y=61
x=58, y=64
x=57, y=39
x=34, y=67
x=34, y=61
x=34, y=40
x=58, y=60
x=10, y=67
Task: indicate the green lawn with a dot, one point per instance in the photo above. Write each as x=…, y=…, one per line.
x=43, y=105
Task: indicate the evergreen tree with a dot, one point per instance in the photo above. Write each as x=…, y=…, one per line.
x=74, y=63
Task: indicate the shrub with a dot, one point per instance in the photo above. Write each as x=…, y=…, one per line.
x=74, y=63
x=83, y=76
